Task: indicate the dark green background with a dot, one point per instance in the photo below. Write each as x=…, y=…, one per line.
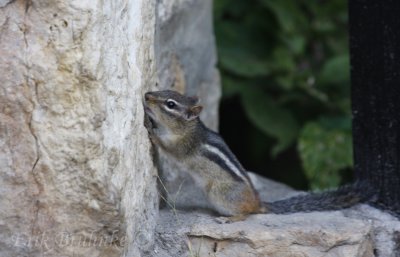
x=285, y=110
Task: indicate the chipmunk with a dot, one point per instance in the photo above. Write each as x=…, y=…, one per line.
x=173, y=124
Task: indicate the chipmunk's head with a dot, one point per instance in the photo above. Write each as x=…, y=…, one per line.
x=170, y=110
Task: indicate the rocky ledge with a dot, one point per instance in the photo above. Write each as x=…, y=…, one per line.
x=184, y=229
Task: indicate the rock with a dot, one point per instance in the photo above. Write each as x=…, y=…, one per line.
x=77, y=176
x=186, y=54
x=385, y=229
x=75, y=158
x=285, y=235
x=361, y=231
x=4, y=2
x=311, y=234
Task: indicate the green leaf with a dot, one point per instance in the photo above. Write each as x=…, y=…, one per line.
x=270, y=118
x=240, y=52
x=324, y=26
x=296, y=43
x=243, y=64
x=336, y=70
x=287, y=13
x=283, y=60
x=325, y=151
x=286, y=82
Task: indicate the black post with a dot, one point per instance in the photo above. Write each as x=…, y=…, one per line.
x=375, y=74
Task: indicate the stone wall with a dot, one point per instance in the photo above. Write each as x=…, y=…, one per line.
x=75, y=157
x=76, y=171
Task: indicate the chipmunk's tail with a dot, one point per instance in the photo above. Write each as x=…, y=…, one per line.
x=341, y=198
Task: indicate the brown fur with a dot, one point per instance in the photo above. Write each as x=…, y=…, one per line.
x=251, y=202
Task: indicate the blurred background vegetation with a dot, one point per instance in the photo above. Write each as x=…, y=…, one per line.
x=285, y=110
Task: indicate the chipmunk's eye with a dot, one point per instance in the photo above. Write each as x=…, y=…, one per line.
x=171, y=104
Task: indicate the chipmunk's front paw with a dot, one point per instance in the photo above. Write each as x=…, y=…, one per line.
x=150, y=126
x=148, y=123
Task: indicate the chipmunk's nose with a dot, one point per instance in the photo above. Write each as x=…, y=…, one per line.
x=149, y=97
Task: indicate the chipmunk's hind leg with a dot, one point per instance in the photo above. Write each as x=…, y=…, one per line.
x=234, y=200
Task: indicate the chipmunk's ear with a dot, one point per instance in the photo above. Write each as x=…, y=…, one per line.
x=194, y=112
x=194, y=99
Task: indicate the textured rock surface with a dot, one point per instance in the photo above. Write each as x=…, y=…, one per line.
x=294, y=235
x=358, y=232
x=183, y=27
x=75, y=159
x=385, y=229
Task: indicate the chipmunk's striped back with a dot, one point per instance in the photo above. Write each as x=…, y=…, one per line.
x=215, y=149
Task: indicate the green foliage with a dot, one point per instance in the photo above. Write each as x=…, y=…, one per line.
x=276, y=122
x=325, y=150
x=288, y=61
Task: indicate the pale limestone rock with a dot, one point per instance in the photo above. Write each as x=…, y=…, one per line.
x=188, y=228
x=4, y=2
x=385, y=229
x=74, y=158
x=309, y=235
x=185, y=53
x=312, y=235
